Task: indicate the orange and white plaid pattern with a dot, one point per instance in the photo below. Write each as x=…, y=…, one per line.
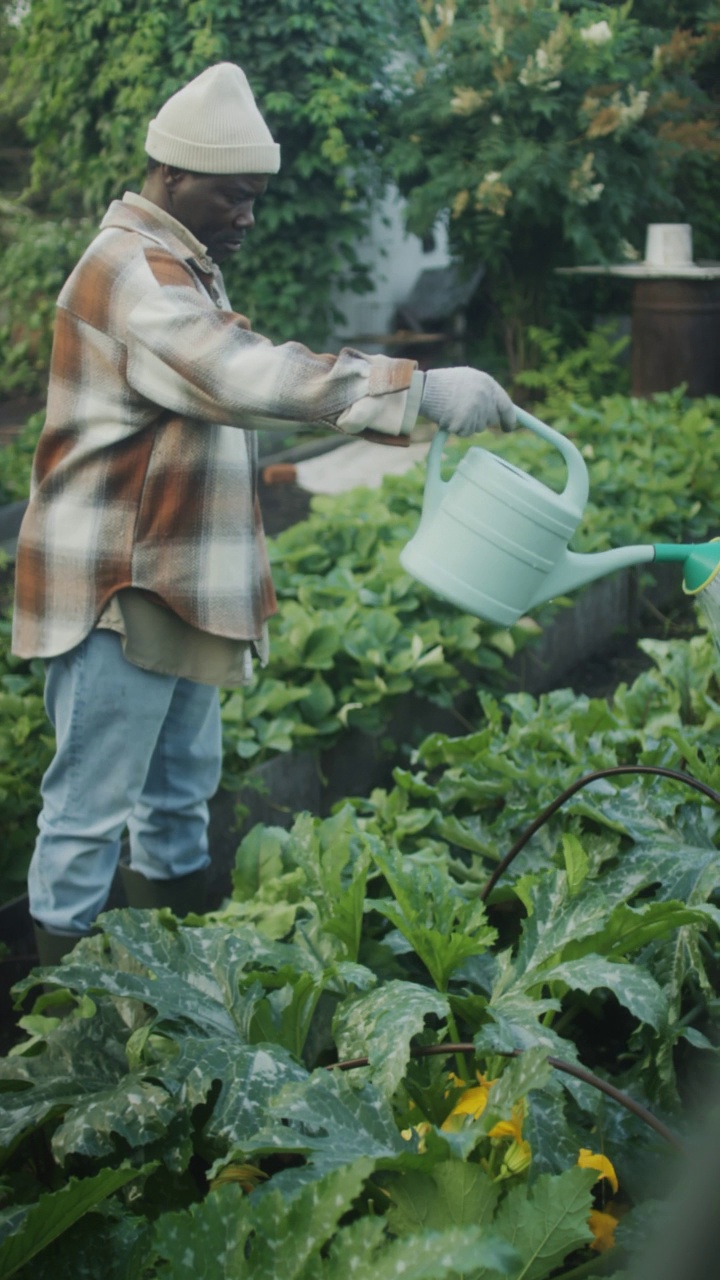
x=145, y=473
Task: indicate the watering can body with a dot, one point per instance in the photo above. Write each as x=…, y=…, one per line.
x=493, y=540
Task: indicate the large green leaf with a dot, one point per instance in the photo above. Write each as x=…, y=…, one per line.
x=263, y=1239
x=680, y=862
x=453, y=1193
x=553, y=1142
x=381, y=1024
x=633, y=986
x=82, y=1058
x=437, y=1255
x=279, y=1007
x=54, y=1213
x=335, y=858
x=134, y=1113
x=629, y=929
x=329, y=1122
x=259, y=860
x=248, y=1083
x=558, y=919
x=187, y=975
x=546, y=1221
x=227, y=1235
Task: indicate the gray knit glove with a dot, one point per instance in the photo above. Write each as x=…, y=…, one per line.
x=465, y=401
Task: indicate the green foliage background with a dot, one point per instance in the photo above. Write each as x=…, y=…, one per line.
x=549, y=134
x=86, y=76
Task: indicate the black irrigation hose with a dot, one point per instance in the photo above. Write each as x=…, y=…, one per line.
x=580, y=1073
x=576, y=786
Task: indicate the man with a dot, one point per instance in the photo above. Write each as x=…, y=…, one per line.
x=142, y=576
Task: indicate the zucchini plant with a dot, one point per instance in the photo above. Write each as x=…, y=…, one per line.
x=514, y=1064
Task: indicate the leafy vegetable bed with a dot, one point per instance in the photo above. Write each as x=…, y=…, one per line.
x=355, y=636
x=197, y=1065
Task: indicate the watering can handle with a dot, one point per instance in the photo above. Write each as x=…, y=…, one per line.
x=578, y=484
x=576, y=490
x=434, y=484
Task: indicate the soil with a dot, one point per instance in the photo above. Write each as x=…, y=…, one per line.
x=622, y=661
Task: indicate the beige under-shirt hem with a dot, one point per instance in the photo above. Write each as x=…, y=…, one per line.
x=156, y=639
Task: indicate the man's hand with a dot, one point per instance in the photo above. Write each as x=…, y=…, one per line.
x=465, y=401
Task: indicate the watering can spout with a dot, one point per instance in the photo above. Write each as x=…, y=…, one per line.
x=494, y=540
x=573, y=570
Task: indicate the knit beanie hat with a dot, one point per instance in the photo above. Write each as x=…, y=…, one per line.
x=213, y=125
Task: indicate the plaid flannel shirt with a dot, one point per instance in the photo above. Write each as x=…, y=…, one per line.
x=145, y=472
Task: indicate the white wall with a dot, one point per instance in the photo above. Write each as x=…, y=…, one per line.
x=396, y=259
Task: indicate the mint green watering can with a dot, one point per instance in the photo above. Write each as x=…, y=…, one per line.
x=494, y=540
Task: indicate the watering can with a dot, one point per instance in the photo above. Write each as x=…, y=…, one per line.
x=493, y=540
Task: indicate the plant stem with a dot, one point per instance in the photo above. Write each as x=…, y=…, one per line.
x=452, y=1028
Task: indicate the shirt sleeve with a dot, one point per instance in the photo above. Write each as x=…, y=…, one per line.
x=197, y=360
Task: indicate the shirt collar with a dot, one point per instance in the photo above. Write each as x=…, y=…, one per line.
x=187, y=239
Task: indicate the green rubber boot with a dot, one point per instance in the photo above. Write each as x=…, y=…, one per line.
x=51, y=947
x=182, y=895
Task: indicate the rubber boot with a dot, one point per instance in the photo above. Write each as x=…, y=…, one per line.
x=182, y=894
x=51, y=947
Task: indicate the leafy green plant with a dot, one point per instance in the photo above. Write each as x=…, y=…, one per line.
x=582, y=375
x=193, y=1062
x=38, y=253
x=16, y=461
x=154, y=1075
x=240, y=1236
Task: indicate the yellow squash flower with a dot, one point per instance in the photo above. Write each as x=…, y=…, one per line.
x=510, y=1128
x=518, y=1155
x=471, y=1103
x=603, y=1227
x=602, y=1224
x=593, y=1160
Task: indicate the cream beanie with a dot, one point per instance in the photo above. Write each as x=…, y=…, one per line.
x=213, y=125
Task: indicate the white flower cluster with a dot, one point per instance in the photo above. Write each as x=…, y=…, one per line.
x=634, y=109
x=542, y=68
x=467, y=101
x=614, y=115
x=597, y=33
x=581, y=187
x=539, y=71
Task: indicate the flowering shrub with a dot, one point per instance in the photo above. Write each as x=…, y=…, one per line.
x=551, y=133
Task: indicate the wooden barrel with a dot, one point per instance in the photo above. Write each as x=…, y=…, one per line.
x=676, y=336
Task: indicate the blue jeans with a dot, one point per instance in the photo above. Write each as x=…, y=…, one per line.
x=134, y=749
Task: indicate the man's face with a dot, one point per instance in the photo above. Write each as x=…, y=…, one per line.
x=217, y=208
